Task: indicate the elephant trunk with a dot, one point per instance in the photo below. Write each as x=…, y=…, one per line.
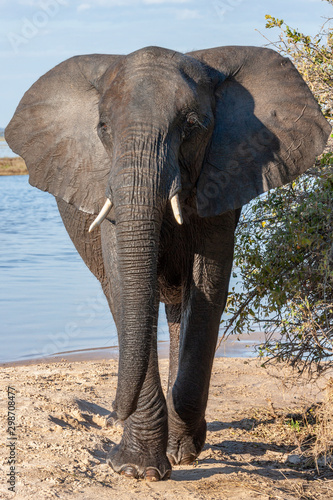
x=137, y=248
x=143, y=181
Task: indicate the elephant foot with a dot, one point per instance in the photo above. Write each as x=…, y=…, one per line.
x=186, y=429
x=185, y=446
x=137, y=464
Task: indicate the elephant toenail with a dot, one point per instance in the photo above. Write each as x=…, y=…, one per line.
x=167, y=475
x=113, y=421
x=129, y=471
x=152, y=474
x=188, y=459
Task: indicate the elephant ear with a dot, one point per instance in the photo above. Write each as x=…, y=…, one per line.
x=54, y=129
x=268, y=127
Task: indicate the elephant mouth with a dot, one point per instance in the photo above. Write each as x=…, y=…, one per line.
x=175, y=205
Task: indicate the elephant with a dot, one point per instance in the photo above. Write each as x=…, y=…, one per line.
x=151, y=157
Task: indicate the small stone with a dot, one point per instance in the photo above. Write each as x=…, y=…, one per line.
x=325, y=461
x=294, y=459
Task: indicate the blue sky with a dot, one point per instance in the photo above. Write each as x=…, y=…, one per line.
x=35, y=35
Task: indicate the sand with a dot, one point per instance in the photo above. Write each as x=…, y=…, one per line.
x=62, y=435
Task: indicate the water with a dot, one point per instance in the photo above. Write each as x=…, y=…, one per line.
x=49, y=300
x=5, y=150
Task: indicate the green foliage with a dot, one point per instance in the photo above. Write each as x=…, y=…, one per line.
x=284, y=241
x=312, y=56
x=294, y=424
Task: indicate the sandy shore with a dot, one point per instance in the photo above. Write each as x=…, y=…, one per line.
x=234, y=346
x=62, y=435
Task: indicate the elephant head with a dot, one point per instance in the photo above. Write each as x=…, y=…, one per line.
x=210, y=129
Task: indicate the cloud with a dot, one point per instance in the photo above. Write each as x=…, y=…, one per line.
x=30, y=3
x=122, y=3
x=185, y=14
x=83, y=6
x=158, y=2
x=107, y=3
x=40, y=3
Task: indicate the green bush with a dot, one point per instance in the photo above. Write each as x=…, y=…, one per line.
x=284, y=241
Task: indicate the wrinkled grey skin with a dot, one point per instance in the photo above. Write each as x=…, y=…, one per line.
x=217, y=126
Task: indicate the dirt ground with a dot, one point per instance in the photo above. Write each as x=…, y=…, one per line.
x=62, y=435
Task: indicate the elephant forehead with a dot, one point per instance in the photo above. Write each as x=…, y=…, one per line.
x=152, y=53
x=160, y=64
x=143, y=90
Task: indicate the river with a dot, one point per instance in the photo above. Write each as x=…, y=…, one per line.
x=5, y=150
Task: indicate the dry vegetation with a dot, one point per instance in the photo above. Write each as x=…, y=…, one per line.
x=308, y=430
x=13, y=166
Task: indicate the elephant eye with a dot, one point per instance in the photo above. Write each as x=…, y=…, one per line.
x=102, y=126
x=192, y=120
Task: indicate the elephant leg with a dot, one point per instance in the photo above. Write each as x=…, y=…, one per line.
x=173, y=314
x=204, y=300
x=142, y=450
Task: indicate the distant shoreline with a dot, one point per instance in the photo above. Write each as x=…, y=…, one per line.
x=13, y=166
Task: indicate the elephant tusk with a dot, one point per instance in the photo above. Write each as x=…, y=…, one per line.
x=176, y=208
x=101, y=216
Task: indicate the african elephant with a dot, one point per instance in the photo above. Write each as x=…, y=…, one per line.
x=166, y=148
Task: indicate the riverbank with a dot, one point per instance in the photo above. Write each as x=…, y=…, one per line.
x=251, y=450
x=13, y=166
x=234, y=346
